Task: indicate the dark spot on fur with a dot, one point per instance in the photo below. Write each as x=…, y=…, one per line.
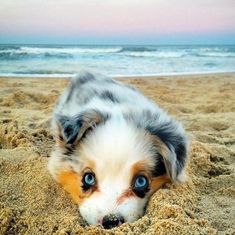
x=141, y=118
x=72, y=130
x=107, y=95
x=77, y=82
x=69, y=150
x=83, y=78
x=78, y=126
x=69, y=158
x=181, y=152
x=159, y=167
x=85, y=95
x=174, y=141
x=70, y=127
x=149, y=115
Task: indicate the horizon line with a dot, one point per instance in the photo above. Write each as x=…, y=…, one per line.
x=124, y=44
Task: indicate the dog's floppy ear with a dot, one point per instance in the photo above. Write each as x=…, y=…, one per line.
x=70, y=130
x=171, y=142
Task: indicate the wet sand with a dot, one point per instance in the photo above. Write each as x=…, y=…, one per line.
x=32, y=203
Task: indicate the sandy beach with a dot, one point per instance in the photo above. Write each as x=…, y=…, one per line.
x=32, y=203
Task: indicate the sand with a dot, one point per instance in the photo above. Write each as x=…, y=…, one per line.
x=32, y=203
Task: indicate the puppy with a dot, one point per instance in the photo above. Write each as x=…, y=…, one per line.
x=114, y=149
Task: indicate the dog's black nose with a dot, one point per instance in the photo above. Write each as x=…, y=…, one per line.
x=111, y=221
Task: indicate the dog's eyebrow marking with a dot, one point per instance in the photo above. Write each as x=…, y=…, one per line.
x=107, y=95
x=126, y=194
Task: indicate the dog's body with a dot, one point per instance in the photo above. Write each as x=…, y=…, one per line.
x=114, y=148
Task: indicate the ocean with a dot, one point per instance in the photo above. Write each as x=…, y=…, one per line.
x=116, y=60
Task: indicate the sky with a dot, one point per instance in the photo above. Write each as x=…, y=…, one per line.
x=117, y=21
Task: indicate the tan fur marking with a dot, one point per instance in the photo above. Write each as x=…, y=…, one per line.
x=71, y=182
x=140, y=167
x=158, y=182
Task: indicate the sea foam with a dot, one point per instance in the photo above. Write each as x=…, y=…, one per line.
x=115, y=60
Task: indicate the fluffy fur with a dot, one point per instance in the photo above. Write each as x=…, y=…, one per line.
x=112, y=130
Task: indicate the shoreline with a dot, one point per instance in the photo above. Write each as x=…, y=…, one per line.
x=127, y=76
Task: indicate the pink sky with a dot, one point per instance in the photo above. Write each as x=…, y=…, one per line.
x=104, y=18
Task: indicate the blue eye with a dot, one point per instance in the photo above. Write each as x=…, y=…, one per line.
x=141, y=182
x=89, y=179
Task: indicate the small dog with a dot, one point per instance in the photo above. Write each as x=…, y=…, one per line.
x=114, y=149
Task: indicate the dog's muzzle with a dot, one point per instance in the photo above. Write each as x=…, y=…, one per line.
x=111, y=221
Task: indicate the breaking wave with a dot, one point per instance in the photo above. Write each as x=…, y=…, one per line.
x=116, y=59
x=136, y=49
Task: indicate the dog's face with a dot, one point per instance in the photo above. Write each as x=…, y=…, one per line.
x=110, y=167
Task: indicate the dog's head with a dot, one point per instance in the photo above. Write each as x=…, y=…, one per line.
x=112, y=165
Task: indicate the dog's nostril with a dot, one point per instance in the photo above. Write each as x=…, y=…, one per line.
x=111, y=221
